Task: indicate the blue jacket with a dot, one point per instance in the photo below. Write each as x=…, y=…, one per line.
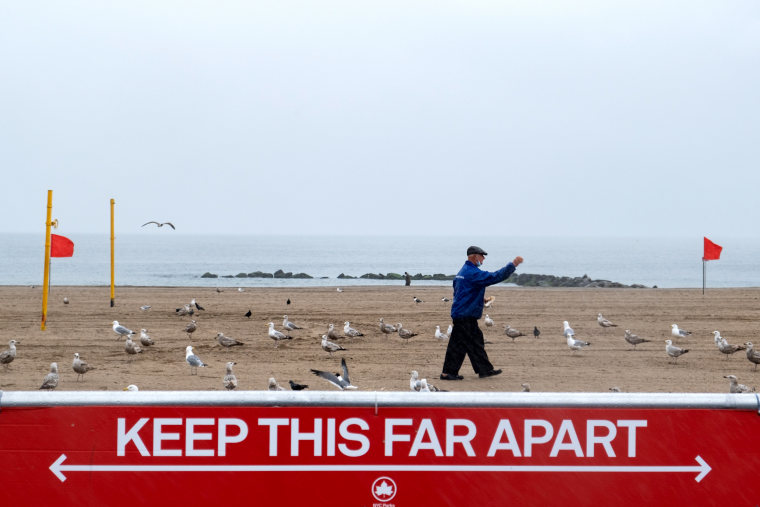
x=470, y=288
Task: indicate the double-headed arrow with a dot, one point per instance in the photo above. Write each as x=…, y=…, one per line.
x=58, y=468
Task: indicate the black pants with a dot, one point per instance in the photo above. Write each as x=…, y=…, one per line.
x=466, y=339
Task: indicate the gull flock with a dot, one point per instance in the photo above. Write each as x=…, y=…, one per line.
x=679, y=342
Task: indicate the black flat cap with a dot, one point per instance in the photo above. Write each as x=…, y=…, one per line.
x=476, y=250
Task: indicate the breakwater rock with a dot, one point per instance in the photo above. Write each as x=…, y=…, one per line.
x=531, y=280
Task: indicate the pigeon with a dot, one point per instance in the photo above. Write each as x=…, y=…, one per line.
x=525, y=387
x=248, y=314
x=331, y=333
x=277, y=336
x=674, y=351
x=417, y=300
x=678, y=333
x=131, y=347
x=190, y=328
x=512, y=332
x=568, y=331
x=196, y=305
x=287, y=302
x=145, y=339
x=287, y=324
x=329, y=346
x=604, y=322
x=51, y=379
x=736, y=387
x=752, y=355
x=297, y=387
x=404, y=333
x=488, y=321
x=634, y=339
x=121, y=330
x=341, y=382
x=131, y=388
x=80, y=367
x=536, y=332
x=7, y=356
x=725, y=347
x=349, y=331
x=576, y=345
x=386, y=328
x=193, y=360
x=159, y=224
x=226, y=341
x=230, y=380
x=274, y=386
x=440, y=334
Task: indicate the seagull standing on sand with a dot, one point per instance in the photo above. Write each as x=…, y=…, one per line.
x=440, y=334
x=226, y=341
x=449, y=330
x=277, y=336
x=145, y=339
x=568, y=331
x=145, y=308
x=287, y=324
x=525, y=387
x=230, y=380
x=329, y=346
x=7, y=356
x=341, y=382
x=574, y=344
x=404, y=333
x=725, y=347
x=417, y=300
x=331, y=333
x=678, y=333
x=414, y=381
x=674, y=351
x=386, y=328
x=604, y=322
x=488, y=321
x=51, y=379
x=131, y=347
x=274, y=386
x=190, y=328
x=193, y=360
x=80, y=367
x=736, y=387
x=120, y=330
x=753, y=356
x=159, y=224
x=633, y=339
x=349, y=331
x=512, y=332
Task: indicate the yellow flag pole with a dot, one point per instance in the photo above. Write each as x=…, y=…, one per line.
x=112, y=255
x=46, y=279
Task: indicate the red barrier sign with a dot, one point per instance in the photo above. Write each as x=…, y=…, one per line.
x=392, y=456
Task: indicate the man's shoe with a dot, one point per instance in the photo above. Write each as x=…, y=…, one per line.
x=446, y=376
x=490, y=373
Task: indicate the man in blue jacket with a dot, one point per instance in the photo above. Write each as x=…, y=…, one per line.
x=466, y=337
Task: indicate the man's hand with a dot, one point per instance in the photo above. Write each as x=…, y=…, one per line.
x=518, y=260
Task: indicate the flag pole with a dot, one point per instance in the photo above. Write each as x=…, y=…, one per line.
x=704, y=270
x=112, y=255
x=46, y=276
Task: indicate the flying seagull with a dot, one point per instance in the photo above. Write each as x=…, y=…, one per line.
x=230, y=380
x=159, y=224
x=341, y=382
x=51, y=379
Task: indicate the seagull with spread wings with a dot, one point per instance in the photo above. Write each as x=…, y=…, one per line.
x=159, y=224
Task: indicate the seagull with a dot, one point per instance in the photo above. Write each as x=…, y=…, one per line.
x=752, y=355
x=274, y=386
x=736, y=387
x=219, y=289
x=488, y=321
x=576, y=344
x=512, y=332
x=726, y=347
x=51, y=379
x=525, y=387
x=80, y=367
x=604, y=322
x=248, y=314
x=159, y=224
x=339, y=289
x=440, y=334
x=449, y=330
x=131, y=347
x=277, y=336
x=186, y=309
x=145, y=308
x=568, y=331
x=404, y=333
x=417, y=300
x=193, y=360
x=145, y=339
x=329, y=346
x=131, y=388
x=349, y=331
x=634, y=339
x=65, y=300
x=230, y=380
x=536, y=332
x=445, y=299
x=226, y=341
x=121, y=330
x=297, y=387
x=674, y=351
x=7, y=356
x=414, y=381
x=196, y=305
x=487, y=302
x=678, y=333
x=190, y=328
x=287, y=324
x=386, y=328
x=331, y=333
x=341, y=382
x=240, y=289
x=614, y=389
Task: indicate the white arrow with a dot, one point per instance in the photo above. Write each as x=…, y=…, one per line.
x=58, y=468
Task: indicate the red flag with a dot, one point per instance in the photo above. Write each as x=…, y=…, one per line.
x=712, y=251
x=61, y=246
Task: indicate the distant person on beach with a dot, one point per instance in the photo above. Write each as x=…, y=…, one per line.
x=466, y=337
x=407, y=279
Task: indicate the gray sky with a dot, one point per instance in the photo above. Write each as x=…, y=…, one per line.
x=607, y=118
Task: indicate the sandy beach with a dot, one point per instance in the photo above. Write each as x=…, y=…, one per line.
x=377, y=361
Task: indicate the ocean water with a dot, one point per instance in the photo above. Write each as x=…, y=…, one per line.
x=166, y=258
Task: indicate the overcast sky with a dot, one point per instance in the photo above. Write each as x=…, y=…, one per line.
x=608, y=118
